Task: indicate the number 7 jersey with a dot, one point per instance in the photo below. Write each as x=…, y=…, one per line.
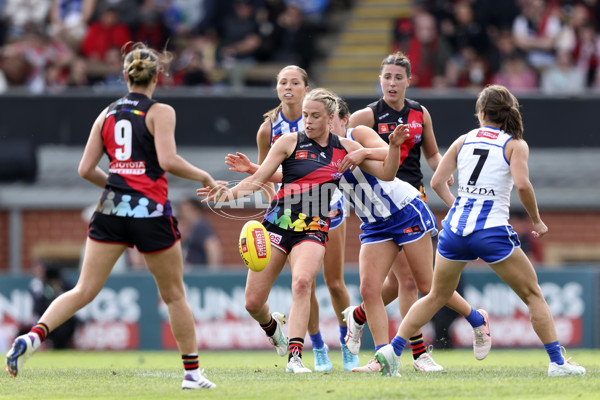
x=484, y=183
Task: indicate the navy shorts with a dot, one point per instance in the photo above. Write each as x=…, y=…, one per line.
x=492, y=245
x=149, y=235
x=285, y=240
x=405, y=226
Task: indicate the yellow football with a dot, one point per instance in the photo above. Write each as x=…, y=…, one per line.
x=255, y=246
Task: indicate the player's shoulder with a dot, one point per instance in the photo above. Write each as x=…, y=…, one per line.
x=161, y=109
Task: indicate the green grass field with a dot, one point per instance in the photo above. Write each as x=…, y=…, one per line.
x=504, y=374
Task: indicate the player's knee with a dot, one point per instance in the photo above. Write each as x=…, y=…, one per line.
x=254, y=304
x=335, y=285
x=369, y=291
x=302, y=285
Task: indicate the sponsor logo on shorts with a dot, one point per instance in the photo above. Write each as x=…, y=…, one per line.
x=413, y=229
x=275, y=238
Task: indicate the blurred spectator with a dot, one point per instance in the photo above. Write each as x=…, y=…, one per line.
x=587, y=55
x=20, y=14
x=69, y=20
x=105, y=33
x=516, y=75
x=114, y=79
x=201, y=246
x=295, y=35
x=531, y=245
x=496, y=15
x=196, y=66
x=313, y=10
x=564, y=78
x=47, y=284
x=78, y=73
x=504, y=48
x=535, y=31
x=238, y=42
x=267, y=16
x=427, y=51
x=151, y=29
x=468, y=33
x=128, y=10
x=26, y=60
x=579, y=37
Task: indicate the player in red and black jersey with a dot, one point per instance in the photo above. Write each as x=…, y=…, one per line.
x=383, y=116
x=138, y=135
x=297, y=219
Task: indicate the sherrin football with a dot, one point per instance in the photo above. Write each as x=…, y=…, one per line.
x=255, y=246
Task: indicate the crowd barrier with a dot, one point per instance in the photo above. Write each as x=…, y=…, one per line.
x=128, y=313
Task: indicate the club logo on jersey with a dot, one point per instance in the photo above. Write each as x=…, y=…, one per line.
x=488, y=134
x=127, y=167
x=323, y=154
x=386, y=128
x=400, y=120
x=302, y=155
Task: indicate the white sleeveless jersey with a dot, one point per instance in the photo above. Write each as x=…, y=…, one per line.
x=373, y=199
x=484, y=183
x=281, y=126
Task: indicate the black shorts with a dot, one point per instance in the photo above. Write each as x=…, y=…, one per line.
x=285, y=240
x=149, y=235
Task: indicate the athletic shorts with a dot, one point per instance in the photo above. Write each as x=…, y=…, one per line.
x=285, y=240
x=337, y=213
x=492, y=245
x=149, y=235
x=405, y=226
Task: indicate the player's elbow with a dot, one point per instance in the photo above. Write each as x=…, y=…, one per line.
x=85, y=171
x=523, y=185
x=168, y=164
x=437, y=183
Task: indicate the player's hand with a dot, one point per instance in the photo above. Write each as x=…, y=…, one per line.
x=399, y=135
x=217, y=194
x=539, y=229
x=239, y=163
x=450, y=180
x=352, y=159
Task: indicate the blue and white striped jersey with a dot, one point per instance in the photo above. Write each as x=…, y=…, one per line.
x=281, y=126
x=373, y=199
x=484, y=183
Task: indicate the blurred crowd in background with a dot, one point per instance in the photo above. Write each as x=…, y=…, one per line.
x=49, y=45
x=526, y=45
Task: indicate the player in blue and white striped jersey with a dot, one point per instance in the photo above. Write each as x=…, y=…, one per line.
x=395, y=217
x=489, y=160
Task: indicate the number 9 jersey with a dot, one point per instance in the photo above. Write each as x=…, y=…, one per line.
x=484, y=183
x=136, y=185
